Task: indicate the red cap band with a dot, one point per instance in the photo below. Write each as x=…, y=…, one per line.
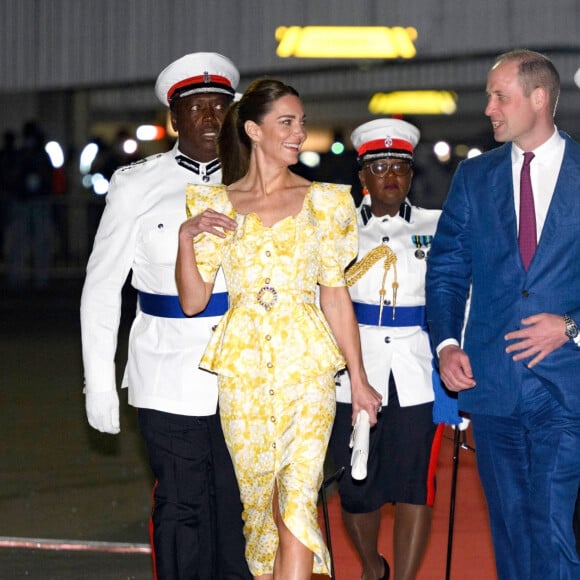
x=199, y=80
x=381, y=144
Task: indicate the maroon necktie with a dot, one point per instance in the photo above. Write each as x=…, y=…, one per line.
x=527, y=237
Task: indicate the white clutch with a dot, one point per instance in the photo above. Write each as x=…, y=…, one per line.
x=359, y=442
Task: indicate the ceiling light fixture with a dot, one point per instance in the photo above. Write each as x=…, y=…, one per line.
x=346, y=42
x=413, y=103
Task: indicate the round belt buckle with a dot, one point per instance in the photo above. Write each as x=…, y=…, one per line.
x=266, y=297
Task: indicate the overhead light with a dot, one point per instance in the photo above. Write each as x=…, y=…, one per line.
x=442, y=151
x=414, y=103
x=56, y=154
x=337, y=148
x=346, y=42
x=88, y=155
x=130, y=146
x=150, y=133
x=100, y=184
x=310, y=158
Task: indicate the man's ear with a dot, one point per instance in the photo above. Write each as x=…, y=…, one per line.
x=539, y=97
x=173, y=119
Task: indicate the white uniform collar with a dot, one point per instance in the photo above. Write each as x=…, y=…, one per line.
x=366, y=213
x=204, y=170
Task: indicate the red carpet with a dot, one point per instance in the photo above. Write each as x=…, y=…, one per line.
x=472, y=552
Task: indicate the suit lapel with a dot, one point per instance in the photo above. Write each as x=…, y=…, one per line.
x=564, y=204
x=565, y=197
x=502, y=197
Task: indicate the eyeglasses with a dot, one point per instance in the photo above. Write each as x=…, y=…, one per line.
x=382, y=168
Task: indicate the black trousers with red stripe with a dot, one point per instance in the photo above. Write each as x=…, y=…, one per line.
x=196, y=530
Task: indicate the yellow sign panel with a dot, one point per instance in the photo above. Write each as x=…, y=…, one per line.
x=346, y=42
x=413, y=103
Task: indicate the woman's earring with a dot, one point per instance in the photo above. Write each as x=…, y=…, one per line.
x=365, y=191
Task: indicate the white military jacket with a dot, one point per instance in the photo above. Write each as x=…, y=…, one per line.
x=139, y=232
x=404, y=350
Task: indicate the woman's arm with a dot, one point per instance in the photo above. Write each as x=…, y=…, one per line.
x=194, y=292
x=337, y=307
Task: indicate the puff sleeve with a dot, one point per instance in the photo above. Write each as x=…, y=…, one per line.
x=208, y=248
x=334, y=209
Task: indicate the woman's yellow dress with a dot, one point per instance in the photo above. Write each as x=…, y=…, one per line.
x=276, y=357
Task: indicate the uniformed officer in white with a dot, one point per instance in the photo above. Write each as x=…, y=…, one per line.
x=387, y=286
x=196, y=516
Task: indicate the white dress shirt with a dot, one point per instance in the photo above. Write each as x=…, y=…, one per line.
x=544, y=171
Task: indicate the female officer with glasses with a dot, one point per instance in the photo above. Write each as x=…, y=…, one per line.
x=387, y=286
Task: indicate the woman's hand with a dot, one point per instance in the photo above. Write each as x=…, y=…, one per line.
x=364, y=396
x=209, y=221
x=194, y=293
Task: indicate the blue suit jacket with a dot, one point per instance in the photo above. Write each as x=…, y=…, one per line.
x=476, y=242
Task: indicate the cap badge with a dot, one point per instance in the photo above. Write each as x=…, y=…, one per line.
x=388, y=142
x=206, y=77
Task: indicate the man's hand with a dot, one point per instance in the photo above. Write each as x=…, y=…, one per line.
x=542, y=335
x=455, y=368
x=103, y=411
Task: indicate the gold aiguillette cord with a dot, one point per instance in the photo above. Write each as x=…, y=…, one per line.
x=358, y=270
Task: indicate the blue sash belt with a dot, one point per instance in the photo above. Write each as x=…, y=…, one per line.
x=167, y=306
x=404, y=315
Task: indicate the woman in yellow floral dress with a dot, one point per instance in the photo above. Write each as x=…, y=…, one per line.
x=277, y=237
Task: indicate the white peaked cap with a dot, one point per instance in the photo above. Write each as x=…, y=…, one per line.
x=385, y=138
x=199, y=72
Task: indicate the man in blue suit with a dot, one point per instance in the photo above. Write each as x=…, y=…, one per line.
x=518, y=373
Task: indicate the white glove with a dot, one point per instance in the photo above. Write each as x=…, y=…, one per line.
x=359, y=442
x=103, y=411
x=463, y=425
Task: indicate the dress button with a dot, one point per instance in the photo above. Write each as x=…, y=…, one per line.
x=268, y=253
x=268, y=337
x=269, y=365
x=267, y=280
x=387, y=339
x=273, y=419
x=525, y=293
x=274, y=445
x=385, y=239
x=271, y=391
x=213, y=327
